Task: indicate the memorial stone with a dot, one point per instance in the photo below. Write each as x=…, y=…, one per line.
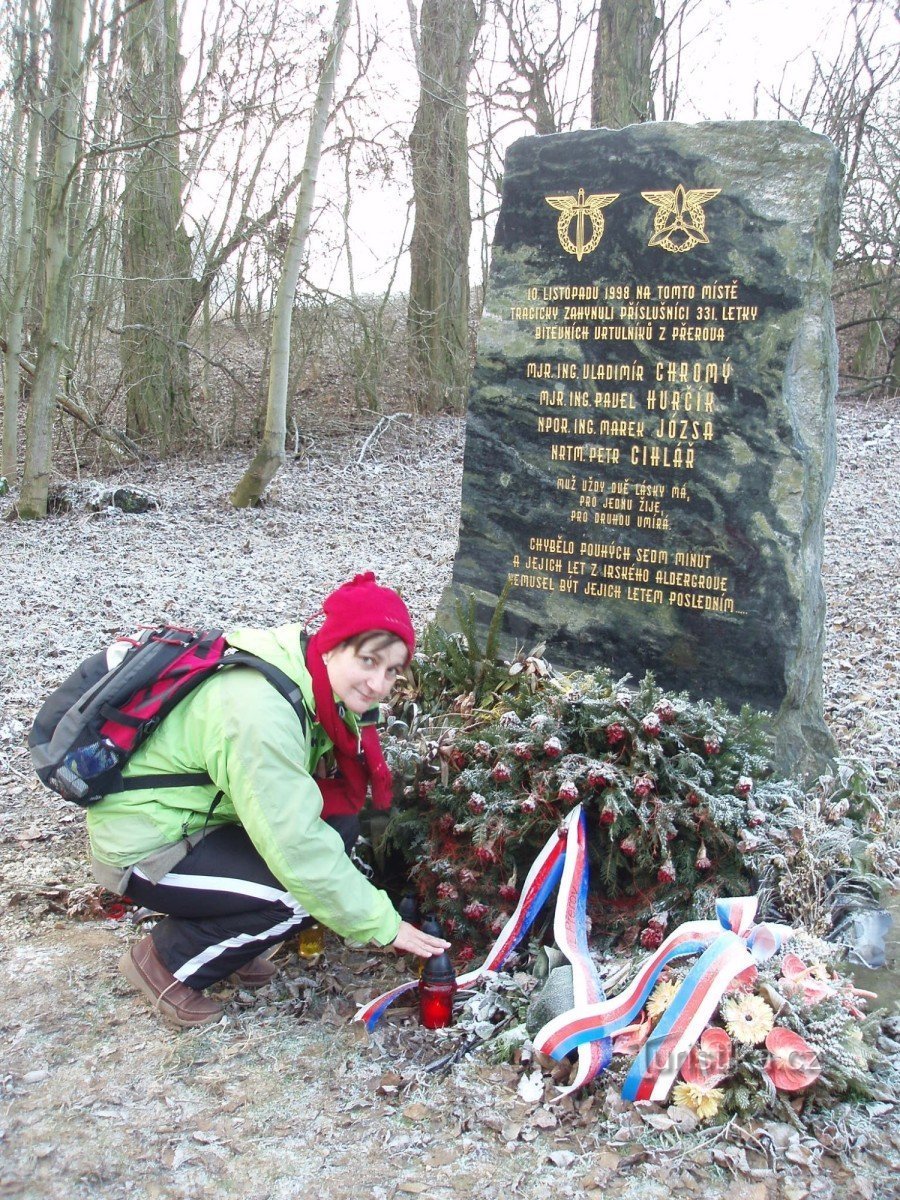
x=650, y=437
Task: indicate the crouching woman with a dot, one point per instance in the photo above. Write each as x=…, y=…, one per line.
x=244, y=860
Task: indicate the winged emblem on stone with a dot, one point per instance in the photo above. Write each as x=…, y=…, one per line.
x=582, y=210
x=680, y=222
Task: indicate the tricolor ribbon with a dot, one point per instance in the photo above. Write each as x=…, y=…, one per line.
x=728, y=946
x=563, y=857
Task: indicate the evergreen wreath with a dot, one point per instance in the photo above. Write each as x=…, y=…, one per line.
x=682, y=806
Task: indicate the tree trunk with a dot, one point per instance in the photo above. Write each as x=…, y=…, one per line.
x=21, y=272
x=621, y=91
x=156, y=255
x=270, y=455
x=66, y=19
x=438, y=314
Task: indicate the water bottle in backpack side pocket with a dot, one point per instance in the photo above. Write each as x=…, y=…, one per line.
x=80, y=766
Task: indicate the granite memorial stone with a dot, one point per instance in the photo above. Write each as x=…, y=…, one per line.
x=650, y=438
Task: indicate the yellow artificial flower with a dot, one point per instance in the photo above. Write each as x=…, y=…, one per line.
x=661, y=997
x=704, y=1102
x=748, y=1019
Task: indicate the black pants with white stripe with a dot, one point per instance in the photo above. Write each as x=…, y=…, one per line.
x=224, y=906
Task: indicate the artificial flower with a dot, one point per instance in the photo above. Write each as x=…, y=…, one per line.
x=744, y=981
x=703, y=1101
x=630, y=1039
x=708, y=1061
x=793, y=1064
x=802, y=980
x=661, y=997
x=747, y=1018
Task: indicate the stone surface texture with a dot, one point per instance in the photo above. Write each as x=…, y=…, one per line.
x=650, y=438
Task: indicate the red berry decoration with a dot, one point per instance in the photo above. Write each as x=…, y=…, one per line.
x=528, y=805
x=467, y=878
x=615, y=733
x=693, y=799
x=501, y=773
x=744, y=786
x=465, y=954
x=568, y=792
x=628, y=846
x=651, y=938
x=665, y=710
x=508, y=892
x=446, y=891
x=608, y=813
x=476, y=803
x=598, y=779
x=522, y=750
x=498, y=922
x=485, y=854
x=482, y=750
x=703, y=862
x=666, y=873
x=446, y=823
x=553, y=747
x=712, y=745
x=659, y=921
x=475, y=911
x=651, y=725
x=643, y=786
x=755, y=818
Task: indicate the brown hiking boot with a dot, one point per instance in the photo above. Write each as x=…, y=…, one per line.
x=175, y=1002
x=256, y=973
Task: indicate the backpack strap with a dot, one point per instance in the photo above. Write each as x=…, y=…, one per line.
x=279, y=680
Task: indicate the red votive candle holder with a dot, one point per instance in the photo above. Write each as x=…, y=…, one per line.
x=437, y=987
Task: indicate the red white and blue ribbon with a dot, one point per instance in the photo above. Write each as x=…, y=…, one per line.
x=570, y=934
x=728, y=947
x=539, y=884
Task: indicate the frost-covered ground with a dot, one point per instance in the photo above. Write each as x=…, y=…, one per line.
x=283, y=1098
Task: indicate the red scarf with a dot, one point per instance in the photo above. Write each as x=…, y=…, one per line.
x=360, y=763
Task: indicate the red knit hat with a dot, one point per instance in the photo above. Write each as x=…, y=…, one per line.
x=363, y=606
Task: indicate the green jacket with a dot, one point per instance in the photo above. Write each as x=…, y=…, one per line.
x=249, y=739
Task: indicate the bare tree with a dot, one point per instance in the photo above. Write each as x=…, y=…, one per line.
x=156, y=253
x=853, y=99
x=271, y=453
x=66, y=20
x=438, y=314
x=22, y=181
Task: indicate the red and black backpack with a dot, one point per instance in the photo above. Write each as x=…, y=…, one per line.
x=89, y=727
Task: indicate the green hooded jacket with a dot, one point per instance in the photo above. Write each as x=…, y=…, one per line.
x=261, y=757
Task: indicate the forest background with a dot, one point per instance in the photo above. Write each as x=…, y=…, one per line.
x=248, y=225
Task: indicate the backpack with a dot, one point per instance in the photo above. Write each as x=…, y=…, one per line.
x=88, y=728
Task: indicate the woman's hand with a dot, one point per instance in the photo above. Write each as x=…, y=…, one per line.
x=410, y=940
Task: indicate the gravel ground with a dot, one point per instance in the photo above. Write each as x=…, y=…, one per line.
x=283, y=1096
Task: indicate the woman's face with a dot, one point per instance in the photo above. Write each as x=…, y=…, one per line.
x=362, y=674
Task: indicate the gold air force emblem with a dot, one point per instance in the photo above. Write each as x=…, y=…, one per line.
x=579, y=209
x=680, y=221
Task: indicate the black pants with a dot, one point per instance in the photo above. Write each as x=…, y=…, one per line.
x=224, y=906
